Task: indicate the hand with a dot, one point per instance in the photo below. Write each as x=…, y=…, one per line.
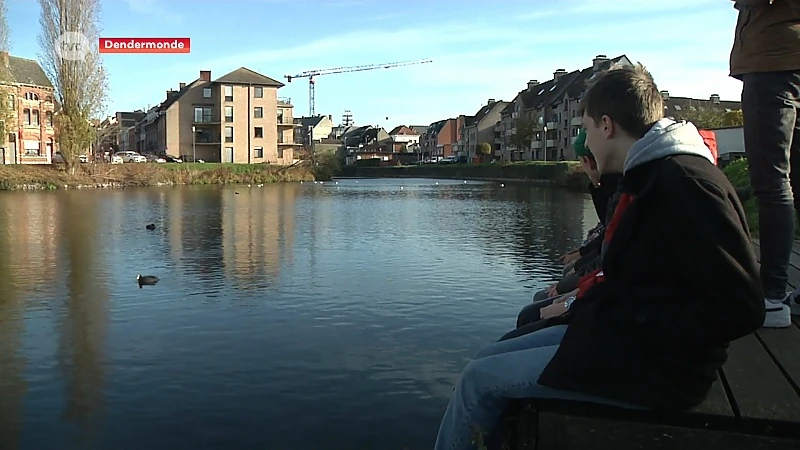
x=556, y=309
x=572, y=257
x=589, y=167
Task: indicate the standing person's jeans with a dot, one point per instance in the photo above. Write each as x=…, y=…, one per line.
x=770, y=105
x=502, y=371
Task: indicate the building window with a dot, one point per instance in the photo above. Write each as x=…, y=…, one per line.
x=26, y=116
x=229, y=114
x=202, y=114
x=228, y=134
x=258, y=152
x=32, y=148
x=259, y=132
x=258, y=92
x=31, y=96
x=258, y=112
x=49, y=117
x=35, y=117
x=203, y=136
x=228, y=93
x=49, y=99
x=10, y=101
x=206, y=92
x=280, y=115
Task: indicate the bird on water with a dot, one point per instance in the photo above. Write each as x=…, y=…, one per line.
x=146, y=280
x=151, y=226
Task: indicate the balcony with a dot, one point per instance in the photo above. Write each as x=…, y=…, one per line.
x=205, y=122
x=536, y=144
x=286, y=122
x=551, y=143
x=285, y=101
x=552, y=125
x=576, y=121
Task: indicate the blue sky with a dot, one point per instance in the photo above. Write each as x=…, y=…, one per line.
x=480, y=49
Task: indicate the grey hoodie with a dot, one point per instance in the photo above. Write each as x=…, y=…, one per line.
x=667, y=138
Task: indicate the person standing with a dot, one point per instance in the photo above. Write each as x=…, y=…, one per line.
x=766, y=58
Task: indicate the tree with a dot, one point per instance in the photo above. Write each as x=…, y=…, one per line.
x=525, y=131
x=80, y=82
x=484, y=149
x=6, y=88
x=710, y=118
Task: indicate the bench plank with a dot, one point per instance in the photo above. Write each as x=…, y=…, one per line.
x=716, y=403
x=784, y=345
x=559, y=432
x=760, y=390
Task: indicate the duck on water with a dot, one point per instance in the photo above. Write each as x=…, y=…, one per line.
x=146, y=280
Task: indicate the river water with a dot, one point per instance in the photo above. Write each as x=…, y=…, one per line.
x=293, y=316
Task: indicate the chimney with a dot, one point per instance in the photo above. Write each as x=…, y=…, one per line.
x=182, y=85
x=665, y=95
x=532, y=84
x=205, y=75
x=4, y=59
x=491, y=101
x=715, y=99
x=330, y=117
x=559, y=73
x=598, y=61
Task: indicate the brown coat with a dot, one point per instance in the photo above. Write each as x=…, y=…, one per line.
x=767, y=37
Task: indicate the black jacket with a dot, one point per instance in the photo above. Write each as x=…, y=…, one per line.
x=681, y=283
x=603, y=206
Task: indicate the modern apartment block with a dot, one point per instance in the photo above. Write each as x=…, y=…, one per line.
x=29, y=137
x=237, y=118
x=551, y=110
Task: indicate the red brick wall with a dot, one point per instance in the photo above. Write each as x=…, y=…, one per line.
x=42, y=133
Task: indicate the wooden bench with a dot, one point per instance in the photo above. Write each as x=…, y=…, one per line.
x=755, y=404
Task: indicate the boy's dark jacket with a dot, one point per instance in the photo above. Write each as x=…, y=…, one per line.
x=680, y=281
x=602, y=197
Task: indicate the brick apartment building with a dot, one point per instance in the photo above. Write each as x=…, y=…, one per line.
x=30, y=137
x=237, y=118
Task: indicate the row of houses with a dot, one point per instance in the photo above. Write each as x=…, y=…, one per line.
x=236, y=118
x=27, y=134
x=548, y=112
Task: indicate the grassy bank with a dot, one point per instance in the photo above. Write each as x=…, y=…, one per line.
x=739, y=178
x=567, y=174
x=14, y=177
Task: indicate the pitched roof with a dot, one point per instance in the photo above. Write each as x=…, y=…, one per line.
x=581, y=82
x=308, y=121
x=243, y=75
x=674, y=106
x=27, y=71
x=419, y=129
x=176, y=95
x=436, y=127
x=402, y=129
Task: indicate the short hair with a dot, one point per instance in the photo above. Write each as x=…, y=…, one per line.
x=629, y=96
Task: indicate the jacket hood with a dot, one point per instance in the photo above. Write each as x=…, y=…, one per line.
x=667, y=138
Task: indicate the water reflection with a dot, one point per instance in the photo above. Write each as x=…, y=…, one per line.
x=83, y=323
x=343, y=310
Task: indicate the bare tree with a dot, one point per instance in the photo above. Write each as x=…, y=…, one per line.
x=81, y=83
x=6, y=105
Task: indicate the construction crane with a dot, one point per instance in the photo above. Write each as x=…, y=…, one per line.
x=311, y=74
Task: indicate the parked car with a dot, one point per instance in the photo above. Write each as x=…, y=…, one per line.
x=155, y=158
x=448, y=160
x=133, y=157
x=171, y=159
x=116, y=159
x=83, y=158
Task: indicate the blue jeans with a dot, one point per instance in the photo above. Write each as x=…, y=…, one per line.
x=770, y=105
x=502, y=371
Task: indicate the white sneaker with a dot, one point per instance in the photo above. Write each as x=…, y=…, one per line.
x=778, y=314
x=793, y=300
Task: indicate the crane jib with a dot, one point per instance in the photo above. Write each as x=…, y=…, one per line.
x=310, y=74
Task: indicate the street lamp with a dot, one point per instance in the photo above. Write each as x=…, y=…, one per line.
x=194, y=147
x=543, y=124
